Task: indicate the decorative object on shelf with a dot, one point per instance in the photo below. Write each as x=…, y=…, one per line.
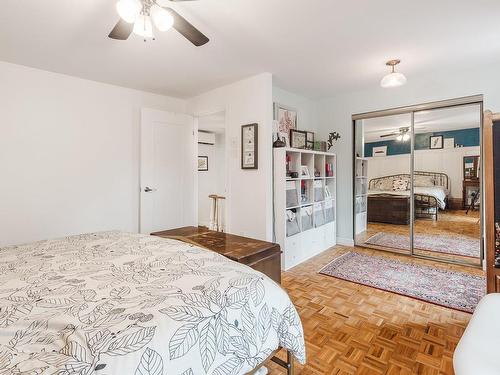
x=287, y=120
x=304, y=195
x=317, y=173
x=320, y=146
x=329, y=169
x=249, y=146
x=304, y=171
x=449, y=143
x=379, y=151
x=436, y=142
x=279, y=142
x=202, y=163
x=294, y=174
x=393, y=79
x=298, y=139
x=332, y=137
x=309, y=140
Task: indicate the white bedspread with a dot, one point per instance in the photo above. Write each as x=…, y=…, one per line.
x=115, y=304
x=438, y=192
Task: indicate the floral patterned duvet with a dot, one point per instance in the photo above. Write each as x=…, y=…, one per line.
x=115, y=303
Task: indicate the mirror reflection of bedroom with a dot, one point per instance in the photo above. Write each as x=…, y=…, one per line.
x=441, y=148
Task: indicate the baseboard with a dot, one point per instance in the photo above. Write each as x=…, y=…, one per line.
x=345, y=241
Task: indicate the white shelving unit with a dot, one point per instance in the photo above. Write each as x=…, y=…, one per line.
x=361, y=194
x=316, y=194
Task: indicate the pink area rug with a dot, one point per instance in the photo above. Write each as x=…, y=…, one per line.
x=455, y=245
x=457, y=290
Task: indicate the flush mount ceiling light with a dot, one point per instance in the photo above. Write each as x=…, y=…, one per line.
x=393, y=79
x=142, y=17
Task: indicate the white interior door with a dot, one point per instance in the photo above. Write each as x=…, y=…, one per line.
x=168, y=171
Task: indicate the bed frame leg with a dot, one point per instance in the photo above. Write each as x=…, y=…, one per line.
x=289, y=359
x=288, y=365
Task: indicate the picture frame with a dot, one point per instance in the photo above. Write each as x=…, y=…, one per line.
x=286, y=118
x=309, y=140
x=304, y=171
x=449, y=143
x=202, y=163
x=379, y=151
x=435, y=142
x=298, y=139
x=250, y=146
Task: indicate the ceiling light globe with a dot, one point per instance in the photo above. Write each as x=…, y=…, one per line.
x=162, y=18
x=129, y=10
x=393, y=80
x=143, y=26
x=406, y=137
x=399, y=138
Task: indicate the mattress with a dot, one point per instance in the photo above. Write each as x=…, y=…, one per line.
x=438, y=192
x=120, y=303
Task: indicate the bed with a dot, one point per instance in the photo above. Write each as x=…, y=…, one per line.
x=119, y=303
x=431, y=190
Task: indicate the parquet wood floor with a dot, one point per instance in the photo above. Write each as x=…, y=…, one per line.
x=354, y=329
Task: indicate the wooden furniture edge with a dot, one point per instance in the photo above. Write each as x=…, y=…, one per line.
x=489, y=200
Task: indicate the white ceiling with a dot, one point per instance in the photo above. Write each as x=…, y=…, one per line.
x=316, y=48
x=437, y=120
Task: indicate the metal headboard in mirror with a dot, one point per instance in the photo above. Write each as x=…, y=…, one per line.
x=440, y=179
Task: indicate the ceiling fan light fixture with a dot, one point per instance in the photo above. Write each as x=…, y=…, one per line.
x=143, y=26
x=406, y=137
x=399, y=138
x=393, y=79
x=162, y=19
x=129, y=10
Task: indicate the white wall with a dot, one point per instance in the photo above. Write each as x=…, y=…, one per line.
x=449, y=161
x=335, y=114
x=213, y=180
x=249, y=196
x=69, y=154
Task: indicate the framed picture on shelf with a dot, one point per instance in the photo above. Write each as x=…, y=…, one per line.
x=298, y=138
x=304, y=171
x=249, y=146
x=449, y=143
x=436, y=142
x=310, y=140
x=286, y=121
x=202, y=163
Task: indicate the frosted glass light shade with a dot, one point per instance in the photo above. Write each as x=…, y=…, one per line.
x=162, y=19
x=128, y=10
x=143, y=26
x=393, y=80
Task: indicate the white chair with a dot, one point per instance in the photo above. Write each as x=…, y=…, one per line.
x=477, y=353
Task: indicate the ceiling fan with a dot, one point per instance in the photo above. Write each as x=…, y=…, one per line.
x=139, y=17
x=402, y=134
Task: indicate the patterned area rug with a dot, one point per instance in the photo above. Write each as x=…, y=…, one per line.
x=456, y=245
x=457, y=290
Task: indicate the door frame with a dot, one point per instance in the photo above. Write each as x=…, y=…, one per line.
x=412, y=109
x=227, y=152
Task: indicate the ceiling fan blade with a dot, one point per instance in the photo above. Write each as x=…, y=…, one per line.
x=190, y=32
x=388, y=135
x=121, y=31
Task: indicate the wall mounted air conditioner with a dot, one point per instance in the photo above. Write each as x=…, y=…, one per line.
x=206, y=138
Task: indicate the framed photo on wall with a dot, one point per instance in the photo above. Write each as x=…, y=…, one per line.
x=436, y=142
x=202, y=163
x=286, y=118
x=249, y=146
x=298, y=139
x=379, y=151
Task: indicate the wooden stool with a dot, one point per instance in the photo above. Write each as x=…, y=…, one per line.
x=215, y=213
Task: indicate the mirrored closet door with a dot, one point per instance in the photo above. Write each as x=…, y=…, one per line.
x=417, y=180
x=383, y=183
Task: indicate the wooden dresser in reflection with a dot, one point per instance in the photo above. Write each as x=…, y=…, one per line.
x=262, y=256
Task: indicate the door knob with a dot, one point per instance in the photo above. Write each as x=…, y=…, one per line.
x=147, y=189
